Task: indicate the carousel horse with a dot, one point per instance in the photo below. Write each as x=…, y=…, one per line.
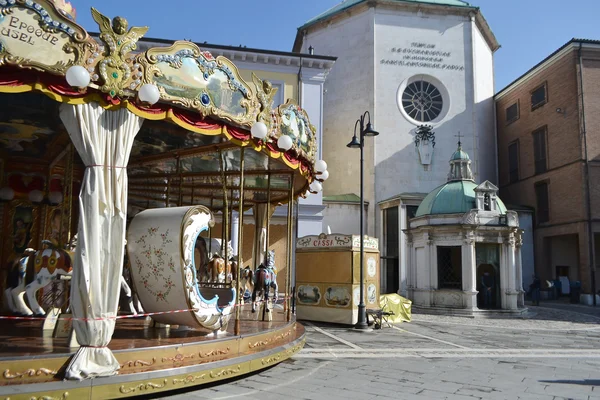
x=46, y=264
x=220, y=271
x=246, y=276
x=212, y=267
x=15, y=281
x=265, y=278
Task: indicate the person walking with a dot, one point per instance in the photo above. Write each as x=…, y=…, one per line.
x=535, y=290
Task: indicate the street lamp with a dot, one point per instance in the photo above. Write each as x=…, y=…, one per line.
x=360, y=144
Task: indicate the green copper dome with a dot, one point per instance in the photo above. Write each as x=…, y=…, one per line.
x=460, y=155
x=456, y=197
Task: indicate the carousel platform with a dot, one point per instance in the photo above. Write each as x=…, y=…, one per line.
x=152, y=359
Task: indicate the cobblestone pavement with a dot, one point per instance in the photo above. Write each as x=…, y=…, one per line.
x=553, y=352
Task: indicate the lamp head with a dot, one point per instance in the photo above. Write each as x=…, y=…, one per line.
x=354, y=144
x=369, y=131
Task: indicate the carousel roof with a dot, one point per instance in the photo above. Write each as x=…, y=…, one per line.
x=200, y=114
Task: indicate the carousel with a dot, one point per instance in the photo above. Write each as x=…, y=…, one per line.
x=121, y=172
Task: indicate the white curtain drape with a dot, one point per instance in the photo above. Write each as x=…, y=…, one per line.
x=103, y=140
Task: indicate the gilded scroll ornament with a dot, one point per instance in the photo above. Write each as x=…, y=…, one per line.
x=272, y=339
x=212, y=353
x=189, y=379
x=115, y=68
x=142, y=386
x=28, y=373
x=138, y=363
x=226, y=372
x=63, y=397
x=178, y=359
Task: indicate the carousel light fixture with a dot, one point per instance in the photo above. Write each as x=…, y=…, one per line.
x=322, y=177
x=7, y=194
x=315, y=187
x=149, y=93
x=55, y=197
x=259, y=130
x=78, y=76
x=321, y=166
x=284, y=142
x=36, y=196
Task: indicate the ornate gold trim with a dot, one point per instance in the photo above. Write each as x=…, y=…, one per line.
x=178, y=359
x=142, y=386
x=212, y=353
x=270, y=340
x=226, y=372
x=138, y=363
x=28, y=373
x=189, y=379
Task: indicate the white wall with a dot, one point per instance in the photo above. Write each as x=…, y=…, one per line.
x=348, y=92
x=342, y=218
x=484, y=119
x=398, y=167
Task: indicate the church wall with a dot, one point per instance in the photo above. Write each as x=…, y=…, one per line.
x=483, y=113
x=343, y=218
x=398, y=165
x=348, y=92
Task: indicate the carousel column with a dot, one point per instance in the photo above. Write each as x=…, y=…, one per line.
x=103, y=140
x=238, y=248
x=288, y=277
x=235, y=227
x=469, y=272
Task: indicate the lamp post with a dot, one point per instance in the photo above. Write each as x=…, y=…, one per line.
x=364, y=130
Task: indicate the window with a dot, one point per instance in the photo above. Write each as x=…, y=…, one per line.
x=512, y=113
x=539, y=150
x=543, y=210
x=449, y=267
x=513, y=162
x=538, y=97
x=411, y=211
x=422, y=101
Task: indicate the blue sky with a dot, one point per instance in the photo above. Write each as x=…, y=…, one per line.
x=528, y=30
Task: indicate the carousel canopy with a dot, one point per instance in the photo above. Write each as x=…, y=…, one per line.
x=200, y=115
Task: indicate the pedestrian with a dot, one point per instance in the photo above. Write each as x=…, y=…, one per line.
x=535, y=290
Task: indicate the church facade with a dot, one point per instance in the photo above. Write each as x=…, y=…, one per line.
x=424, y=71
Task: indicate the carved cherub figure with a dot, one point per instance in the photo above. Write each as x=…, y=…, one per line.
x=266, y=92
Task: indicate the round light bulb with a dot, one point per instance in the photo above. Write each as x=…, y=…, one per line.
x=259, y=130
x=149, y=93
x=320, y=166
x=55, y=197
x=36, y=196
x=77, y=76
x=323, y=176
x=316, y=187
x=284, y=142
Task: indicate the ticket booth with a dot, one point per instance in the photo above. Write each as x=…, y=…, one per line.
x=328, y=277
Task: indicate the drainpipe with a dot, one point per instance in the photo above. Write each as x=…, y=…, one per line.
x=591, y=242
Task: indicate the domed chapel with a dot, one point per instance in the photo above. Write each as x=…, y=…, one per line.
x=465, y=247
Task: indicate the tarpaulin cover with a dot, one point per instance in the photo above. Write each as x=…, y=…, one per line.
x=397, y=304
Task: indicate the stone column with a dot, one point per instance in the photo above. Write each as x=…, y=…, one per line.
x=519, y=272
x=469, y=271
x=509, y=292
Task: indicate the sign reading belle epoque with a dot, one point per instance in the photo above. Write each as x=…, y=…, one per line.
x=37, y=35
x=423, y=55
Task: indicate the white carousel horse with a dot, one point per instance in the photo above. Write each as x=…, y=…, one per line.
x=16, y=281
x=265, y=278
x=47, y=264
